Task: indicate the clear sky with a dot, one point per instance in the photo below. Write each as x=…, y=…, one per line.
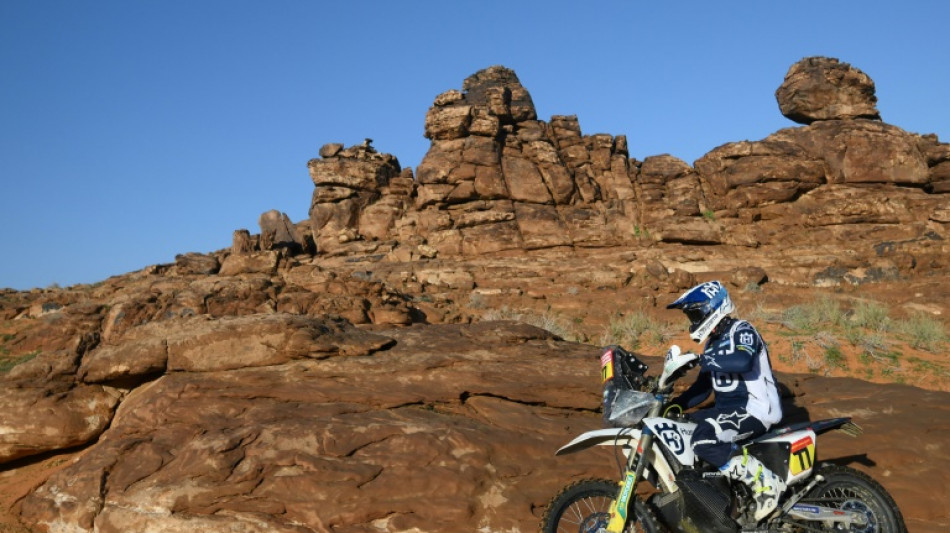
x=132, y=131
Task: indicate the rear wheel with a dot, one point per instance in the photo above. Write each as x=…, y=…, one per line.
x=852, y=490
x=584, y=506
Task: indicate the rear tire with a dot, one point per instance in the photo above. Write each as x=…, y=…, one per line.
x=583, y=507
x=852, y=490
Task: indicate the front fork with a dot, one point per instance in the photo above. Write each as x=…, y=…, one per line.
x=621, y=509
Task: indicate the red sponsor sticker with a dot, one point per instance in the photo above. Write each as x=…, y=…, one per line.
x=801, y=444
x=607, y=358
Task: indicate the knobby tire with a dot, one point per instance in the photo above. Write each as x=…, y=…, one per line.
x=585, y=503
x=847, y=488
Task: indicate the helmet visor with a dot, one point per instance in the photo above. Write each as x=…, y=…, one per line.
x=695, y=317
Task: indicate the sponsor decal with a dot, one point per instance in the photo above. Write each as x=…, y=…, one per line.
x=801, y=443
x=624, y=498
x=735, y=419
x=803, y=455
x=725, y=382
x=671, y=437
x=709, y=289
x=806, y=508
x=607, y=365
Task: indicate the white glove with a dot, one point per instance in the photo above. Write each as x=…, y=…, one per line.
x=673, y=352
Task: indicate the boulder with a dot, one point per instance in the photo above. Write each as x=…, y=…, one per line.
x=196, y=264
x=243, y=242
x=499, y=91
x=279, y=233
x=824, y=88
x=251, y=263
x=38, y=420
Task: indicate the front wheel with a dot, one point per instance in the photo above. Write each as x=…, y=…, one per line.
x=584, y=506
x=852, y=490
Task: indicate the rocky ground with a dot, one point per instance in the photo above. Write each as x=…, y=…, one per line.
x=410, y=356
x=440, y=428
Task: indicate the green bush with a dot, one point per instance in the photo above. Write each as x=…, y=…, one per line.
x=545, y=321
x=871, y=315
x=627, y=330
x=924, y=332
x=834, y=358
x=814, y=316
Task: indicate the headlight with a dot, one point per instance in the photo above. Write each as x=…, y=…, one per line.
x=626, y=407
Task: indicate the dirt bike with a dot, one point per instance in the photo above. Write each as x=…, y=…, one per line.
x=691, y=496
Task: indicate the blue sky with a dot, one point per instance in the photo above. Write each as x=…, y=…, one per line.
x=133, y=131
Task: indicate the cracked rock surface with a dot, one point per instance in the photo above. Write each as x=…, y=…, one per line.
x=448, y=428
x=438, y=432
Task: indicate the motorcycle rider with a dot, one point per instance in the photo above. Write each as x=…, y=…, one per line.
x=735, y=364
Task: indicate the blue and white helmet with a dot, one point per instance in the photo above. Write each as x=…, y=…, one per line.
x=705, y=306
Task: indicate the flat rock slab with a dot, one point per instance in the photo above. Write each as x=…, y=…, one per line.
x=452, y=428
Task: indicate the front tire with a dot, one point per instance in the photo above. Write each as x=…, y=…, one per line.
x=583, y=507
x=852, y=490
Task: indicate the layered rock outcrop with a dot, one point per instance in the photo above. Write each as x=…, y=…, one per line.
x=498, y=180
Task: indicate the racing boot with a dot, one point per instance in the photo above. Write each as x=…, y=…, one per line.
x=766, y=486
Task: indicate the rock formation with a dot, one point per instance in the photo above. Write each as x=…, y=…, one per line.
x=497, y=180
x=335, y=374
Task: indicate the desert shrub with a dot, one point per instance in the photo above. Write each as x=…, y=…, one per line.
x=760, y=314
x=546, y=321
x=834, y=358
x=752, y=287
x=553, y=324
x=814, y=316
x=798, y=351
x=828, y=311
x=871, y=315
x=923, y=332
x=795, y=318
x=874, y=343
x=627, y=330
x=498, y=314
x=476, y=301
x=825, y=339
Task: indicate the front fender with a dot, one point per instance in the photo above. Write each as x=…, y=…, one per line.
x=628, y=439
x=602, y=437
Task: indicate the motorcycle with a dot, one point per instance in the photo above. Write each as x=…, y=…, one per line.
x=689, y=495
